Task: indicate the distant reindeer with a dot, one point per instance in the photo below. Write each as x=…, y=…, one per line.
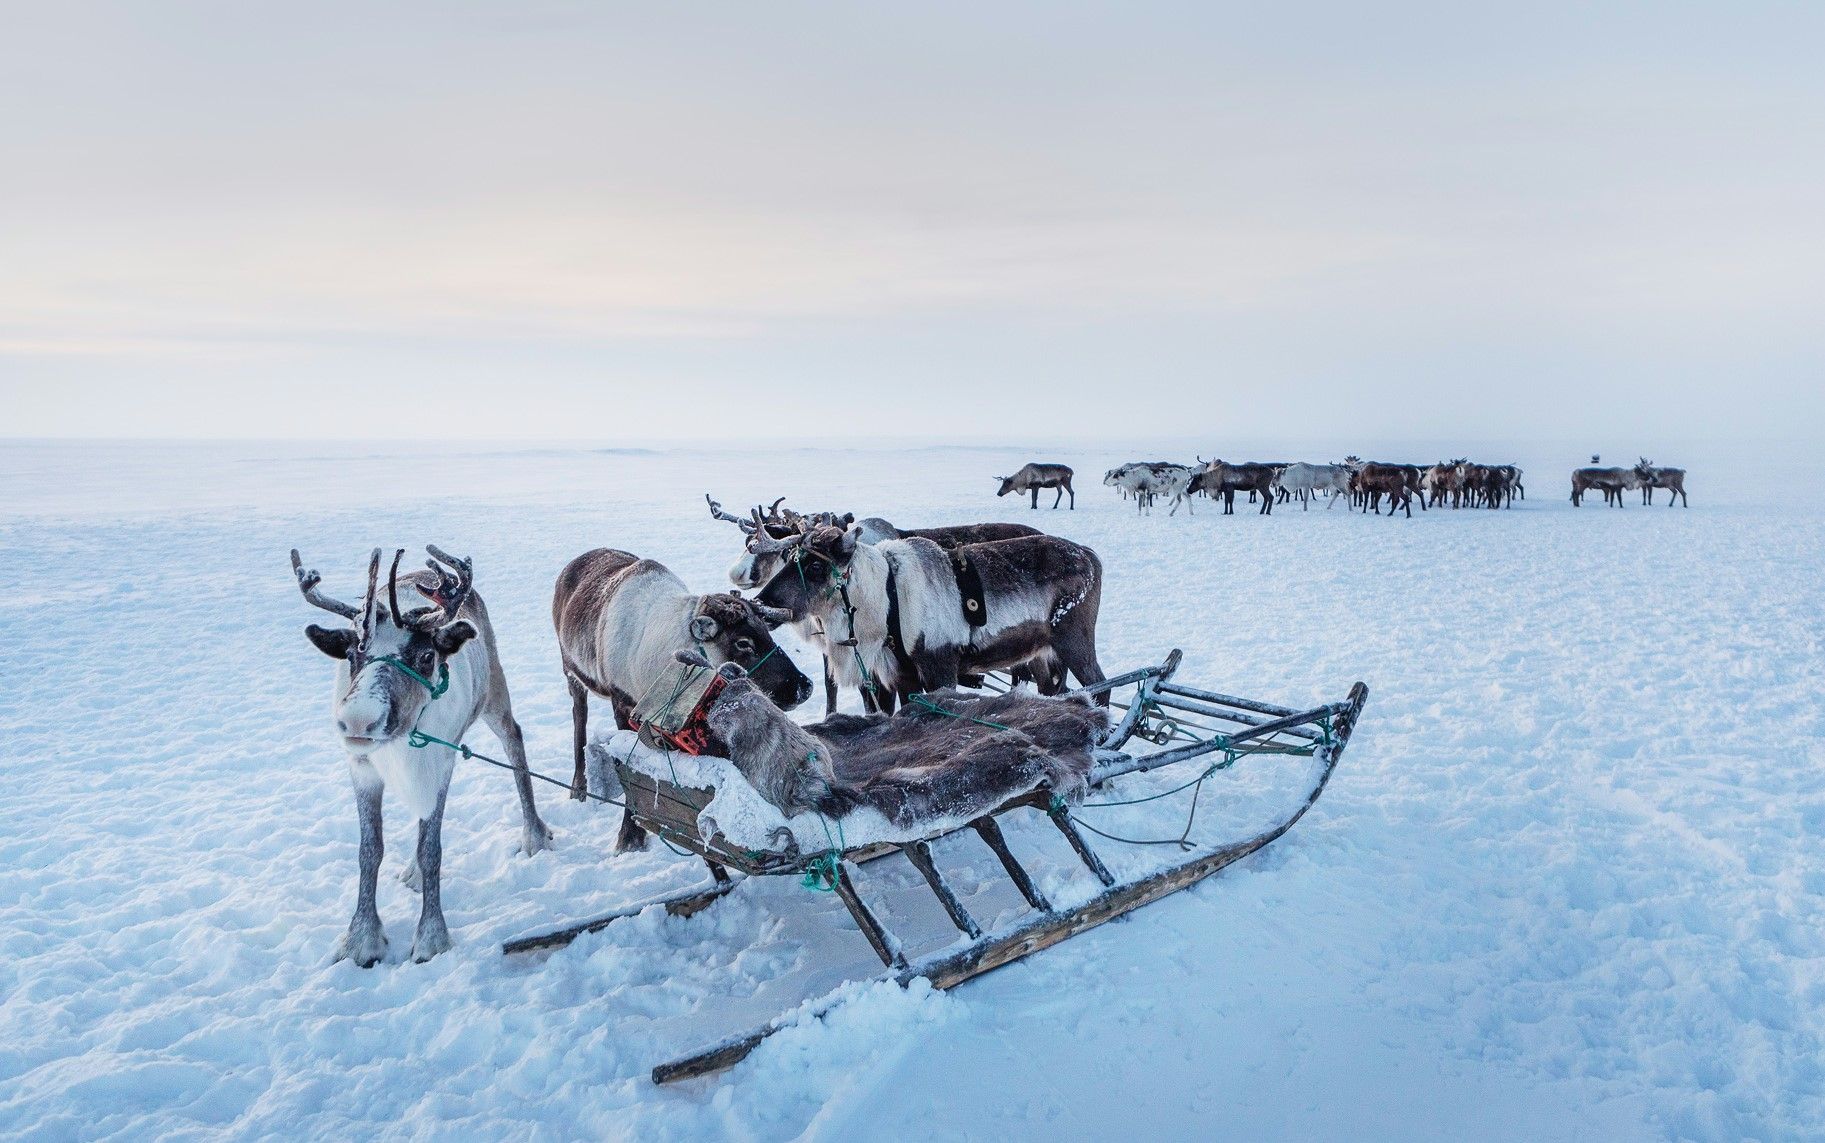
x=1392, y=480
x=1220, y=479
x=1033, y=477
x=1612, y=482
x=620, y=619
x=1671, y=479
x=1304, y=480
x=432, y=670
x=1147, y=480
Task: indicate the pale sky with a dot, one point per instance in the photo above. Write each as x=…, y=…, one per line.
x=765, y=220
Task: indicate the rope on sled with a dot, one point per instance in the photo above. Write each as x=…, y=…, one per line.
x=925, y=702
x=821, y=871
x=1230, y=755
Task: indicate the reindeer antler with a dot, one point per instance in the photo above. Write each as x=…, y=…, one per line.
x=368, y=601
x=393, y=588
x=716, y=513
x=307, y=583
x=763, y=542
x=454, y=583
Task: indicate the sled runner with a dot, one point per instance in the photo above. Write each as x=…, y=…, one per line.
x=1160, y=724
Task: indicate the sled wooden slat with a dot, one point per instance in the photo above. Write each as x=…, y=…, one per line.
x=678, y=905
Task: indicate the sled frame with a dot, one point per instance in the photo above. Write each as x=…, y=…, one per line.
x=1159, y=711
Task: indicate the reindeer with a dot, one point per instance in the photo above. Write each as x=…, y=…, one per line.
x=1611, y=481
x=1146, y=480
x=1304, y=480
x=1033, y=477
x=620, y=619
x=755, y=567
x=1392, y=480
x=1221, y=479
x=1445, y=479
x=918, y=617
x=1671, y=479
x=433, y=670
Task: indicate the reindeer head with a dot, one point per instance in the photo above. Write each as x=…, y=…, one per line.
x=1007, y=485
x=760, y=559
x=393, y=662
x=812, y=565
x=730, y=629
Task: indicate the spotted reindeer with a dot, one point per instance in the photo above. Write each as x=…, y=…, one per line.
x=761, y=558
x=917, y=617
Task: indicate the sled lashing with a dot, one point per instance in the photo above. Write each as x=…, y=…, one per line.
x=1160, y=724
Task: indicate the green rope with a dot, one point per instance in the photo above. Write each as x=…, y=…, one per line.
x=437, y=689
x=925, y=702
x=821, y=871
x=420, y=740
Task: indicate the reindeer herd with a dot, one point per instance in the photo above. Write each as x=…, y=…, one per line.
x=1458, y=483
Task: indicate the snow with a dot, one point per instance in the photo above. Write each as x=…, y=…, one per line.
x=1565, y=883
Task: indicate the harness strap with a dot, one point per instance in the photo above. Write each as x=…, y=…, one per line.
x=969, y=590
x=896, y=639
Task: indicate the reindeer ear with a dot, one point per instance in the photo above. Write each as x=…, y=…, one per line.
x=451, y=636
x=705, y=628
x=851, y=537
x=335, y=642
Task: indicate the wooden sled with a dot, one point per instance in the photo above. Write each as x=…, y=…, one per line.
x=1185, y=723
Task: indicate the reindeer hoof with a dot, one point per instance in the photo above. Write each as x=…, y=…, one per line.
x=579, y=791
x=365, y=945
x=535, y=839
x=433, y=938
x=411, y=878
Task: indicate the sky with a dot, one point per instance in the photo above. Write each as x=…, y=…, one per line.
x=766, y=222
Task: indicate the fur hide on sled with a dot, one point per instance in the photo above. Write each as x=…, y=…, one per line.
x=915, y=766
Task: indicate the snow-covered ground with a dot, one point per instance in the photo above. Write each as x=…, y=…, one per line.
x=1567, y=882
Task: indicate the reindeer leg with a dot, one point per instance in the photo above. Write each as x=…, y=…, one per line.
x=365, y=942
x=1077, y=651
x=631, y=836
x=829, y=689
x=1035, y=491
x=937, y=670
x=1073, y=493
x=534, y=834
x=579, y=735
x=433, y=935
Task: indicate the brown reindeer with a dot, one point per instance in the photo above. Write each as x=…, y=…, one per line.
x=1390, y=480
x=1671, y=479
x=1612, y=482
x=1220, y=479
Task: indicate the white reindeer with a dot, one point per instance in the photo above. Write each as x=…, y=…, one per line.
x=403, y=679
x=1305, y=480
